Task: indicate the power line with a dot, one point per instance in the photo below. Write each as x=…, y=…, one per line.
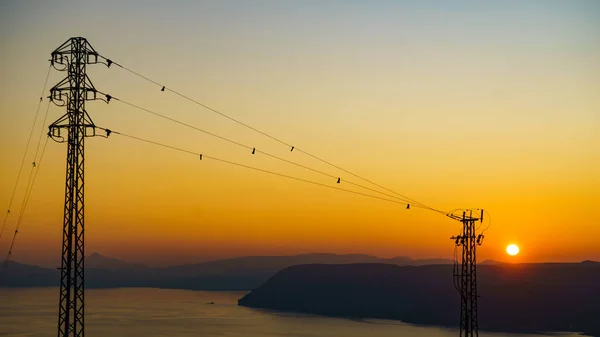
x=203, y=156
x=181, y=123
x=43, y=131
x=33, y=171
x=23, y=209
x=164, y=88
x=12, y=196
x=371, y=182
x=253, y=149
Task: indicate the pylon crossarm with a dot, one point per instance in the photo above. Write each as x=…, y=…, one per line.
x=76, y=124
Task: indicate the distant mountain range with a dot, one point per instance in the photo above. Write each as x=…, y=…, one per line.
x=242, y=273
x=547, y=297
x=97, y=261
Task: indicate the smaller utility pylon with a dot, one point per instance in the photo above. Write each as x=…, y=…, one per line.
x=465, y=277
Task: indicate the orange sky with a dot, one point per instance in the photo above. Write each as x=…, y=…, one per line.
x=491, y=106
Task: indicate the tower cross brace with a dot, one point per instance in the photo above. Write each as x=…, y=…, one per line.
x=72, y=92
x=466, y=276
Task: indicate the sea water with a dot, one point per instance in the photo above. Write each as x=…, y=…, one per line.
x=137, y=312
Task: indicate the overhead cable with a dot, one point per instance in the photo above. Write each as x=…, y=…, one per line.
x=35, y=168
x=202, y=156
x=290, y=146
x=255, y=150
x=12, y=196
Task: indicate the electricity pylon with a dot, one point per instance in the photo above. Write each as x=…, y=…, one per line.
x=465, y=279
x=73, y=91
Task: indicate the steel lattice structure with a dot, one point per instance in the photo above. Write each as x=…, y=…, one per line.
x=466, y=277
x=73, y=91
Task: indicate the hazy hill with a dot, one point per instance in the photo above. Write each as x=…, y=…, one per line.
x=522, y=297
x=242, y=273
x=275, y=263
x=97, y=261
x=25, y=275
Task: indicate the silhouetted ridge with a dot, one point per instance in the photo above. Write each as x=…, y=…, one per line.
x=517, y=298
x=241, y=273
x=97, y=261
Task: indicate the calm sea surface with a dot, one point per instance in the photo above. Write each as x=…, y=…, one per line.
x=140, y=312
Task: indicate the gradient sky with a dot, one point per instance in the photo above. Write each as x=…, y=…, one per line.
x=492, y=104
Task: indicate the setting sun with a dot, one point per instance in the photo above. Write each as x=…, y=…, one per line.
x=512, y=249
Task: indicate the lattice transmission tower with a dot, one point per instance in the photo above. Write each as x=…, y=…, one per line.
x=72, y=92
x=465, y=277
